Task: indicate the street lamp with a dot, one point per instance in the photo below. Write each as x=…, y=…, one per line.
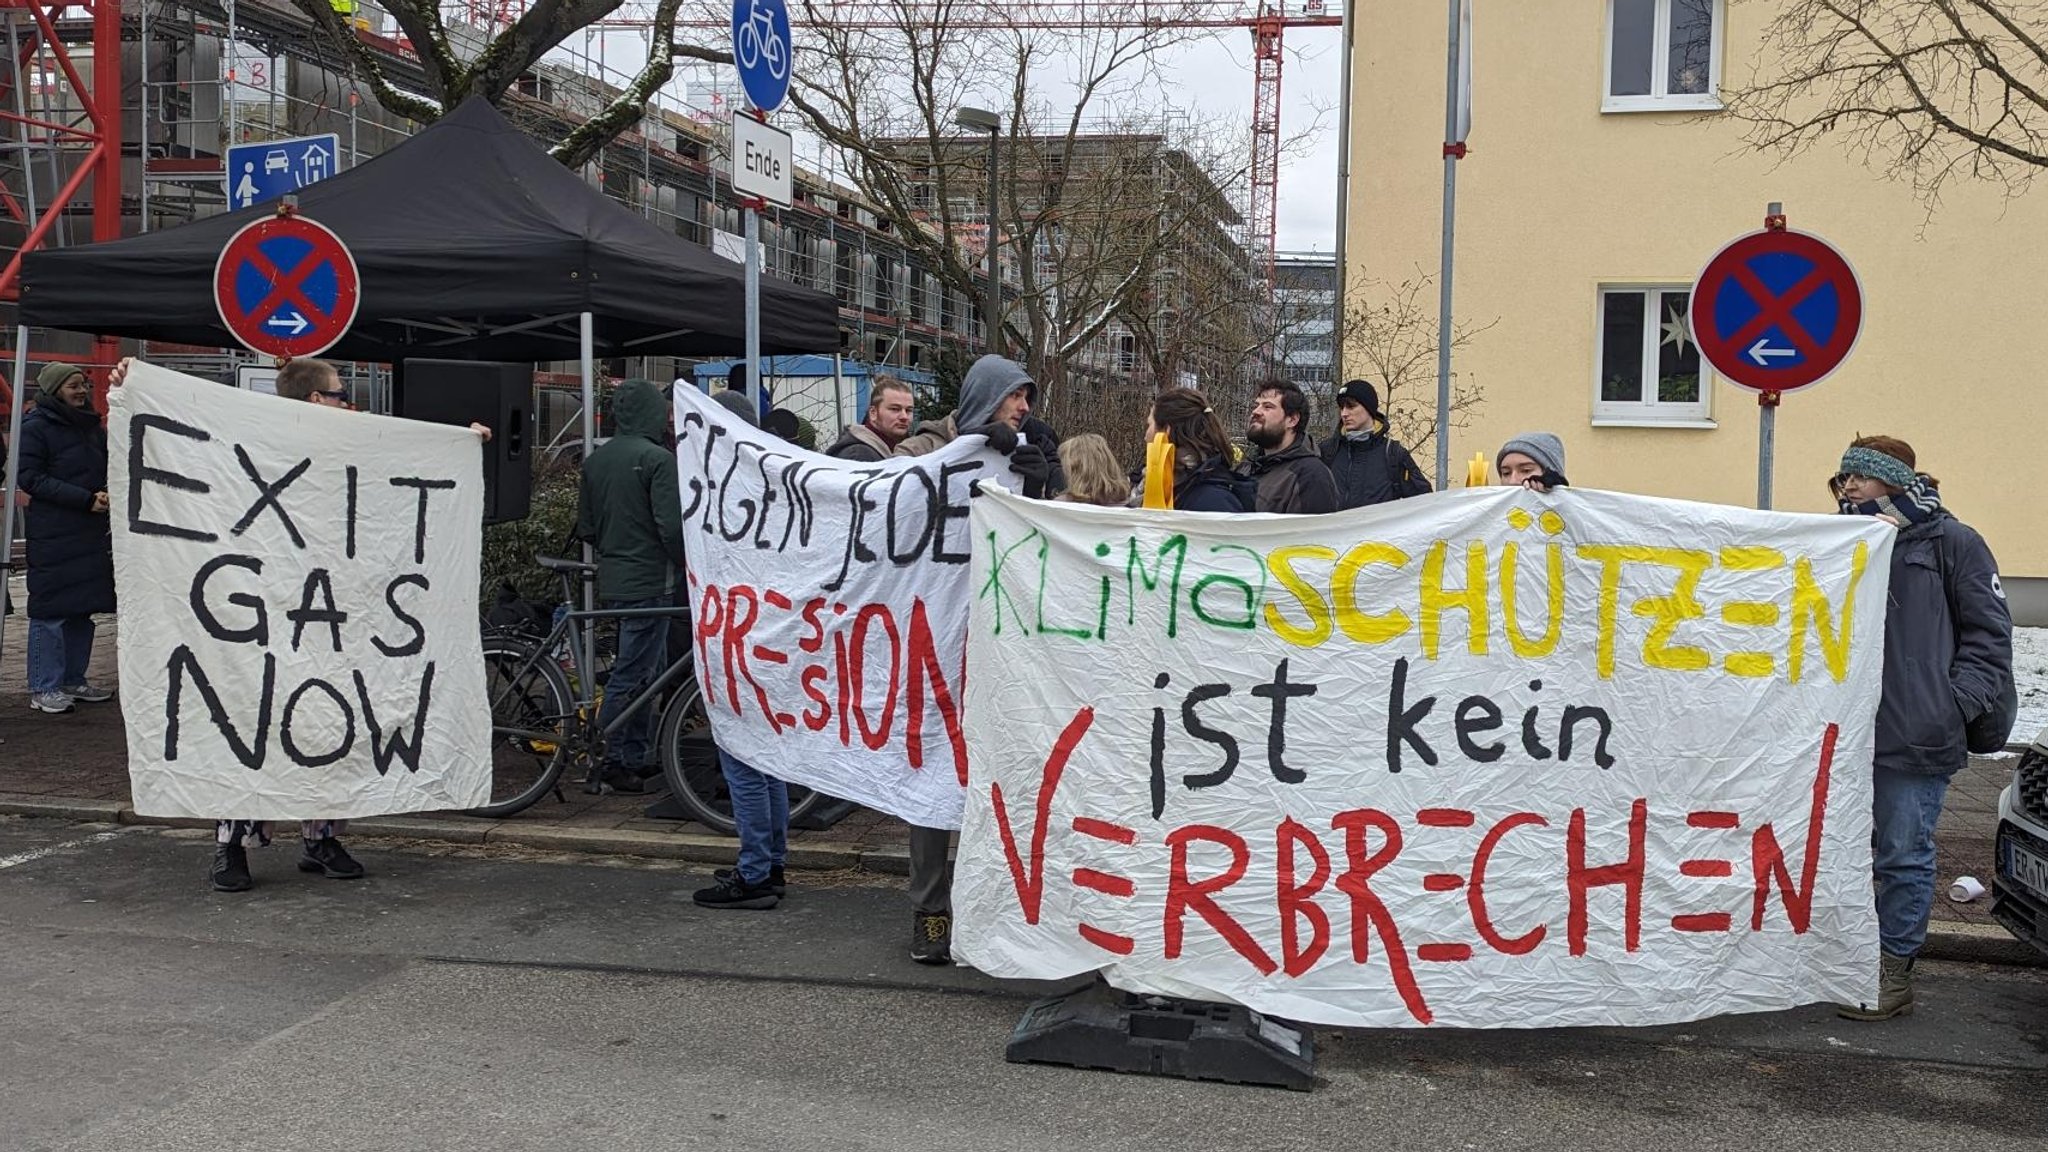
x=977, y=120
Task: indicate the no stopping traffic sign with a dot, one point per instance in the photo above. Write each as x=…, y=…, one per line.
x=286, y=286
x=1776, y=311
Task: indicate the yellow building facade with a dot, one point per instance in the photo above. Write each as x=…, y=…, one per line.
x=1601, y=177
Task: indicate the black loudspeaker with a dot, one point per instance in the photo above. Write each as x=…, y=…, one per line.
x=500, y=397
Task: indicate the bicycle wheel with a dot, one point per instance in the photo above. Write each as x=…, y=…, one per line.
x=531, y=718
x=689, y=761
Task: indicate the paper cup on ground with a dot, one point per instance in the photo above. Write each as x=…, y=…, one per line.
x=1965, y=889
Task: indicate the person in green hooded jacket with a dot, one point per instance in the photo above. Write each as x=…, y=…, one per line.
x=628, y=509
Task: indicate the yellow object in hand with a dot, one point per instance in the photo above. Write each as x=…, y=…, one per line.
x=1159, y=466
x=1475, y=473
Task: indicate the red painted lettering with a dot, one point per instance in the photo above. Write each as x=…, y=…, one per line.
x=1767, y=860
x=875, y=736
x=1031, y=888
x=1580, y=879
x=926, y=675
x=1475, y=896
x=1368, y=913
x=1297, y=901
x=1184, y=895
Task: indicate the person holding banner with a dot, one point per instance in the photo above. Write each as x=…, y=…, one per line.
x=1291, y=476
x=995, y=399
x=1947, y=660
x=1203, y=481
x=1533, y=460
x=63, y=468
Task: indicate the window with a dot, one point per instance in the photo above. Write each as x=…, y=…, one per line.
x=1662, y=55
x=1648, y=369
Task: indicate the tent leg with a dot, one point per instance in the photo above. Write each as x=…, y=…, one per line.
x=13, y=467
x=588, y=342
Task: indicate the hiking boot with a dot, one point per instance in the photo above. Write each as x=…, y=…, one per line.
x=86, y=692
x=1894, y=991
x=329, y=858
x=729, y=891
x=776, y=883
x=931, y=939
x=230, y=871
x=55, y=703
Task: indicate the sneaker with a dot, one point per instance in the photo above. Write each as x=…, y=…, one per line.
x=55, y=703
x=1894, y=991
x=330, y=858
x=776, y=883
x=931, y=939
x=623, y=780
x=230, y=871
x=729, y=891
x=87, y=692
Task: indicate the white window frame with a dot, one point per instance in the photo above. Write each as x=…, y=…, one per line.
x=1646, y=413
x=1660, y=65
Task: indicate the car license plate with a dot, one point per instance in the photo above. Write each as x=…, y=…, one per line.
x=2027, y=870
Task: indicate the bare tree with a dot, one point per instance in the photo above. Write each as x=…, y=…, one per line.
x=1922, y=90
x=1080, y=221
x=1392, y=328
x=455, y=73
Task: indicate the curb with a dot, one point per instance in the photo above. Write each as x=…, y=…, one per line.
x=693, y=847
x=1978, y=944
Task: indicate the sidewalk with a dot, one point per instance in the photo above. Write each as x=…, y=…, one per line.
x=75, y=766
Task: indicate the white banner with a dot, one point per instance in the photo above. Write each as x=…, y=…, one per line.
x=1487, y=758
x=299, y=631
x=829, y=601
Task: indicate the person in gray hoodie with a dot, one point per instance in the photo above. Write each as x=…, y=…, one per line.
x=1947, y=661
x=995, y=397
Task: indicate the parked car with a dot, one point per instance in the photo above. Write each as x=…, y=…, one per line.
x=2019, y=881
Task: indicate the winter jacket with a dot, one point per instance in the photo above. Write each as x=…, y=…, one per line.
x=628, y=506
x=1372, y=470
x=1214, y=488
x=1293, y=479
x=70, y=546
x=1942, y=669
x=859, y=443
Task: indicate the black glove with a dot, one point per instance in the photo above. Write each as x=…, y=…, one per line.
x=1001, y=436
x=1029, y=461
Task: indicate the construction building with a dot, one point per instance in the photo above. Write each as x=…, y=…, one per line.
x=91, y=156
x=1305, y=311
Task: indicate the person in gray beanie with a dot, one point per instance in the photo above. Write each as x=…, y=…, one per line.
x=1532, y=460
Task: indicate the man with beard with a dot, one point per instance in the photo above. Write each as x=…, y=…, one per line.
x=889, y=411
x=1291, y=477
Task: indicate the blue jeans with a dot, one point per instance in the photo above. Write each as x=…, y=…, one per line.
x=1905, y=806
x=643, y=652
x=58, y=651
x=760, y=806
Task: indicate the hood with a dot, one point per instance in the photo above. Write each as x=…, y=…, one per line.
x=638, y=410
x=738, y=404
x=989, y=380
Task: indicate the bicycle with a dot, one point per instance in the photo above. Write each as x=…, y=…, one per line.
x=540, y=725
x=757, y=38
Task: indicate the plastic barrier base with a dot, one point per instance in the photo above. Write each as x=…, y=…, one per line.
x=1099, y=1027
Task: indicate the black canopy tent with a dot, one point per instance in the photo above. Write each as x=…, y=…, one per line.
x=472, y=243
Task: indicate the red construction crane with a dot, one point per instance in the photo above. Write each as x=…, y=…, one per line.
x=1267, y=20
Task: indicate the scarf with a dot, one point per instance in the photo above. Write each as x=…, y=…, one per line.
x=1915, y=503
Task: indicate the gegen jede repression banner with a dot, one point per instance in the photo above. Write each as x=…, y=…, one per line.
x=299, y=636
x=1485, y=758
x=829, y=600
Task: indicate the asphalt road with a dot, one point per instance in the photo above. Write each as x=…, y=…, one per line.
x=472, y=999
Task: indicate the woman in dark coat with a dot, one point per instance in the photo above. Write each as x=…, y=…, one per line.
x=1202, y=480
x=70, y=549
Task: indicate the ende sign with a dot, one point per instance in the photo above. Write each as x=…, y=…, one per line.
x=761, y=161
x=829, y=599
x=1486, y=758
x=298, y=605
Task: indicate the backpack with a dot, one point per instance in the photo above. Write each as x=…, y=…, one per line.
x=1989, y=731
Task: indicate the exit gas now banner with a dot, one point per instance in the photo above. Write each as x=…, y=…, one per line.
x=1485, y=758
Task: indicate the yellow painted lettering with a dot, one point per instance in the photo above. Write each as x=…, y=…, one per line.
x=1471, y=599
x=1366, y=627
x=1811, y=610
x=1280, y=562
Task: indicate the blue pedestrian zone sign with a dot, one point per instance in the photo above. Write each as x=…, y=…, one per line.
x=260, y=172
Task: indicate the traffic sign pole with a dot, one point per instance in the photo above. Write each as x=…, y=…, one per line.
x=1767, y=402
x=759, y=389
